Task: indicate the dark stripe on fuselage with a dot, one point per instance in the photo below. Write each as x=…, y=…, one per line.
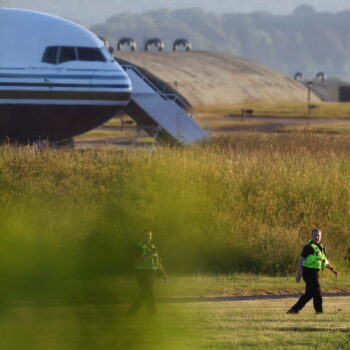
x=62, y=76
x=50, y=85
x=64, y=95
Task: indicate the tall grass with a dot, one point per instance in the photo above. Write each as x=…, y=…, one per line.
x=234, y=205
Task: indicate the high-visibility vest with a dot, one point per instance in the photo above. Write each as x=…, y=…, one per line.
x=318, y=259
x=149, y=259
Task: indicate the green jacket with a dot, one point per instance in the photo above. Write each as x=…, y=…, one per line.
x=318, y=259
x=148, y=258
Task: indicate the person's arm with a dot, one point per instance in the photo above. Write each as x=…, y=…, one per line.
x=163, y=273
x=161, y=270
x=299, y=269
x=329, y=265
x=331, y=268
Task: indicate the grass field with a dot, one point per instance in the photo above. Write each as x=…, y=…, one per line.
x=264, y=325
x=105, y=134
x=327, y=110
x=244, y=284
x=94, y=318
x=220, y=325
x=332, y=128
x=111, y=129
x=229, y=217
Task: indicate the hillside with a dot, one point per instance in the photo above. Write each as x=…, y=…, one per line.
x=208, y=78
x=306, y=41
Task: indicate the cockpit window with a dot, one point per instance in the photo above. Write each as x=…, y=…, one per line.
x=50, y=55
x=61, y=54
x=90, y=54
x=67, y=54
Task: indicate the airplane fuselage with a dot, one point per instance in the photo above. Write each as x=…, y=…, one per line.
x=56, y=78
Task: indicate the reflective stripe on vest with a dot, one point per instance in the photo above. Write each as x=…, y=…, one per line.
x=149, y=258
x=318, y=259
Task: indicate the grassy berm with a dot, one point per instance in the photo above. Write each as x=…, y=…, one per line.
x=69, y=218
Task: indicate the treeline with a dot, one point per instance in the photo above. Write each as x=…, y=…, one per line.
x=306, y=41
x=90, y=12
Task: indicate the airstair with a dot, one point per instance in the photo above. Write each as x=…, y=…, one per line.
x=163, y=116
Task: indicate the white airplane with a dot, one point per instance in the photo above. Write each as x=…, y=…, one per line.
x=58, y=80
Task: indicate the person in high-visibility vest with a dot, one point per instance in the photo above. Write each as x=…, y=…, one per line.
x=313, y=259
x=147, y=263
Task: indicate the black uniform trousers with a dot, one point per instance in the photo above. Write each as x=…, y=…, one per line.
x=312, y=291
x=144, y=280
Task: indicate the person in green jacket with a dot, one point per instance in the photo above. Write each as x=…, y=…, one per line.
x=313, y=259
x=147, y=262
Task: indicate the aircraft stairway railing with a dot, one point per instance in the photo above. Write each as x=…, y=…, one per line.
x=152, y=107
x=167, y=96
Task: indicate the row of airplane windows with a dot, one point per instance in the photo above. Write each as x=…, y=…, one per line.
x=61, y=54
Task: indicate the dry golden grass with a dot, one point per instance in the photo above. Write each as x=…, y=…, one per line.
x=276, y=186
x=328, y=128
